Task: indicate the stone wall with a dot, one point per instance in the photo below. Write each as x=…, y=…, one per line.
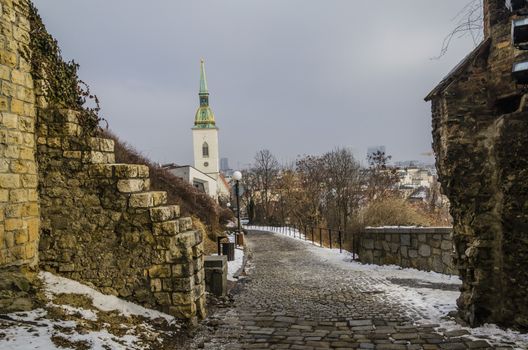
x=97, y=221
x=480, y=123
x=19, y=209
x=102, y=225
x=428, y=248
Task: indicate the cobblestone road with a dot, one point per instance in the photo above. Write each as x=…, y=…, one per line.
x=292, y=299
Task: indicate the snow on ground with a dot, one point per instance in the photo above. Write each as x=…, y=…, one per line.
x=422, y=290
x=233, y=267
x=57, y=285
x=94, y=321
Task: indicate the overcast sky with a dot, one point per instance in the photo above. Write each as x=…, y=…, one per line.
x=293, y=76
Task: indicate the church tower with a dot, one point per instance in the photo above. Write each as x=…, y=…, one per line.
x=205, y=133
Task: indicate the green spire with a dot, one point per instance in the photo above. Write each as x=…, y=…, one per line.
x=204, y=118
x=203, y=79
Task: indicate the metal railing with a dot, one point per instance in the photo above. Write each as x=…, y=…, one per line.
x=325, y=237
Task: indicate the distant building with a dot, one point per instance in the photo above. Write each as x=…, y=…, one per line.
x=195, y=177
x=224, y=164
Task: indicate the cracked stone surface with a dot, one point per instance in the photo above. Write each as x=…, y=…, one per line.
x=291, y=299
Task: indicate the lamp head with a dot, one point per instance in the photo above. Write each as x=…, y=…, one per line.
x=237, y=176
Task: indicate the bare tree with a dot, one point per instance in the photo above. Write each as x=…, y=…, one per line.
x=343, y=184
x=249, y=184
x=381, y=179
x=311, y=172
x=266, y=169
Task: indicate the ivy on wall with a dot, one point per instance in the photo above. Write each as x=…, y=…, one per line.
x=57, y=80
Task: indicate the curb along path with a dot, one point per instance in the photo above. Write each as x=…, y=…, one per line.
x=293, y=299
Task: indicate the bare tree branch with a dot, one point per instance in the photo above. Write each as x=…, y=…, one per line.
x=469, y=22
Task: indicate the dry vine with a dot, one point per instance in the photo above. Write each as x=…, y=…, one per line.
x=469, y=22
x=57, y=79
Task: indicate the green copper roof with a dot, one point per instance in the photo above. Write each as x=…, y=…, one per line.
x=204, y=118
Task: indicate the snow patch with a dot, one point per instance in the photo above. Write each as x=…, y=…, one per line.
x=234, y=266
x=60, y=285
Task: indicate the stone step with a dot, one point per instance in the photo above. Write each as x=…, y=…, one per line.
x=96, y=157
x=165, y=213
x=120, y=171
x=99, y=144
x=147, y=199
x=133, y=185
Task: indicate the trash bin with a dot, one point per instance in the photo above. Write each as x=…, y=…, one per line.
x=240, y=239
x=229, y=250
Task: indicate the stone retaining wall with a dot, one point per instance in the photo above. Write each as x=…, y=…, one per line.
x=428, y=248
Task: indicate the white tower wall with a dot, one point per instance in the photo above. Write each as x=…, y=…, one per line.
x=209, y=165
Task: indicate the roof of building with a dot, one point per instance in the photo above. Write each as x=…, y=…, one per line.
x=173, y=166
x=459, y=69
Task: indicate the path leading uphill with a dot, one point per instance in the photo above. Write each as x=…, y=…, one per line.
x=294, y=298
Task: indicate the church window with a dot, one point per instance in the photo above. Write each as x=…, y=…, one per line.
x=205, y=150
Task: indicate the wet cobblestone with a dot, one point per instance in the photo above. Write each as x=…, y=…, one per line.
x=294, y=300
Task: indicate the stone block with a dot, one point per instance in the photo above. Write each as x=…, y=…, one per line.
x=9, y=120
x=155, y=285
x=185, y=224
x=437, y=264
x=4, y=104
x=183, y=270
x=182, y=298
x=447, y=245
x=94, y=157
x=17, y=106
x=21, y=236
x=13, y=224
x=424, y=250
x=133, y=185
x=101, y=144
x=10, y=59
x=72, y=129
x=186, y=239
x=184, y=284
x=163, y=298
x=148, y=199
x=4, y=195
x=168, y=228
x=9, y=180
x=159, y=271
x=447, y=259
x=72, y=154
x=166, y=213
x=405, y=239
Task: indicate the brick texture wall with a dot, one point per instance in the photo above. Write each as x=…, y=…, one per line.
x=19, y=208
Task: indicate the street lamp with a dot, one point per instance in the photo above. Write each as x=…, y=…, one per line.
x=237, y=176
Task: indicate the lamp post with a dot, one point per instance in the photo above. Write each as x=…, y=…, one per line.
x=237, y=176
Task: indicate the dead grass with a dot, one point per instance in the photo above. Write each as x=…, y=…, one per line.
x=190, y=199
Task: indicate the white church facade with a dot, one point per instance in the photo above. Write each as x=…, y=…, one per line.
x=205, y=174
